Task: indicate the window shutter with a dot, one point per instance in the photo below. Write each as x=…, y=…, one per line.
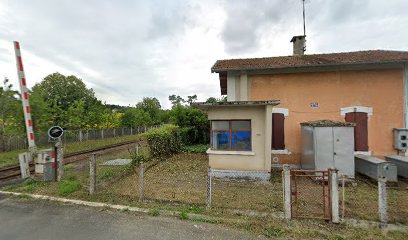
x=278, y=131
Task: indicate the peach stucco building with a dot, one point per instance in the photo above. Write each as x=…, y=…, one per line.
x=368, y=88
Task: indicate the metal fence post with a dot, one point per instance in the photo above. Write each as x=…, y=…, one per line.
x=92, y=174
x=60, y=154
x=382, y=201
x=209, y=189
x=343, y=198
x=334, y=195
x=287, y=192
x=141, y=182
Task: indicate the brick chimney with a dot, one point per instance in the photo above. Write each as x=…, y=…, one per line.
x=299, y=45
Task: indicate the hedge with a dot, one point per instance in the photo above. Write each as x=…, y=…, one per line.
x=164, y=141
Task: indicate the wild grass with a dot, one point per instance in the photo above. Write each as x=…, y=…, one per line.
x=66, y=187
x=10, y=158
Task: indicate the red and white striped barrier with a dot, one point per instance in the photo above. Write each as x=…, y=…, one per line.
x=24, y=97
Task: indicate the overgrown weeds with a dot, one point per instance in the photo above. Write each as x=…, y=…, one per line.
x=66, y=187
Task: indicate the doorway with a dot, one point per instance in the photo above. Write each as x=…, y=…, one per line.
x=360, y=130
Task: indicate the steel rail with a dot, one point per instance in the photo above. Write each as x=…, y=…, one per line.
x=66, y=156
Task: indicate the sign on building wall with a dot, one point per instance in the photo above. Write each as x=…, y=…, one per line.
x=314, y=105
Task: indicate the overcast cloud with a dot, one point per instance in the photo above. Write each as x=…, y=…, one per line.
x=126, y=50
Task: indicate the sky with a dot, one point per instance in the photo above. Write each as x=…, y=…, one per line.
x=129, y=49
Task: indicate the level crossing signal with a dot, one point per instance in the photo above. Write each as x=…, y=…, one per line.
x=55, y=133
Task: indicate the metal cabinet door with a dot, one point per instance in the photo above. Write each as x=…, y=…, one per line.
x=343, y=150
x=323, y=148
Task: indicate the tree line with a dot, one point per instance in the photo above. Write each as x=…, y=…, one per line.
x=67, y=102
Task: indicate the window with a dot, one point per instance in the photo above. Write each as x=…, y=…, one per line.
x=234, y=135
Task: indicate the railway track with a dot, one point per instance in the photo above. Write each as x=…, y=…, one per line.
x=12, y=172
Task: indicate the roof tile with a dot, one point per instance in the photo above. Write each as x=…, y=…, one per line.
x=345, y=58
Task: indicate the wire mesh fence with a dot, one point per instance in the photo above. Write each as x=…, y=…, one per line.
x=310, y=194
x=17, y=142
x=181, y=181
x=359, y=199
x=262, y=196
x=397, y=202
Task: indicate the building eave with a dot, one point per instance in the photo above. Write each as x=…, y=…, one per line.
x=205, y=105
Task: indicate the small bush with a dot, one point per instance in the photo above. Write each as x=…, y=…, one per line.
x=137, y=156
x=67, y=187
x=23, y=196
x=106, y=173
x=183, y=215
x=199, y=148
x=274, y=231
x=163, y=141
x=154, y=212
x=32, y=185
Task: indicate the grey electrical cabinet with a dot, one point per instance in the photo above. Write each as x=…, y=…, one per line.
x=401, y=162
x=328, y=144
x=401, y=139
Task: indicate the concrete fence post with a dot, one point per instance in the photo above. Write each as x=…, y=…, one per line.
x=92, y=175
x=114, y=132
x=24, y=159
x=334, y=195
x=131, y=130
x=141, y=181
x=80, y=135
x=209, y=190
x=123, y=131
x=102, y=133
x=145, y=129
x=382, y=201
x=287, y=191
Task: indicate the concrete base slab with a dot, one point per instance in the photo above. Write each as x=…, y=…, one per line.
x=235, y=174
x=117, y=162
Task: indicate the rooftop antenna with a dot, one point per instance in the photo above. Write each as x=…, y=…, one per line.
x=304, y=19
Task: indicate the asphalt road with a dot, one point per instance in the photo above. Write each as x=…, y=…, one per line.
x=38, y=219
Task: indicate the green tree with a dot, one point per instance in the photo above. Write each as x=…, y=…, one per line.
x=211, y=100
x=111, y=117
x=66, y=101
x=11, y=114
x=191, y=99
x=135, y=117
x=176, y=99
x=152, y=107
x=215, y=100
x=193, y=122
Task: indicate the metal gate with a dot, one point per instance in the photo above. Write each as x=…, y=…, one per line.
x=310, y=196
